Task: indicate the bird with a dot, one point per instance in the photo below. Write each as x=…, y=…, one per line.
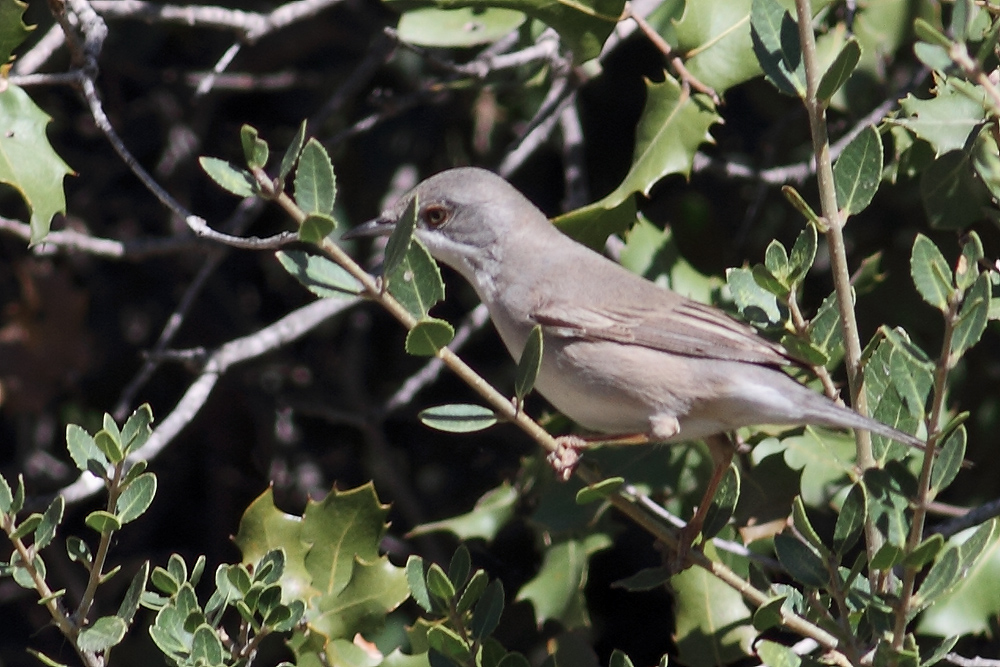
x=622, y=356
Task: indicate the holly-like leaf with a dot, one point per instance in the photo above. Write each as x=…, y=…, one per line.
x=717, y=33
x=372, y=590
x=13, y=31
x=490, y=513
x=27, y=161
x=946, y=120
x=556, y=592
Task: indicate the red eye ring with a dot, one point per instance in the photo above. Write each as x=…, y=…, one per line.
x=435, y=215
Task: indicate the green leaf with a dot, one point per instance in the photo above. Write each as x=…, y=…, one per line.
x=774, y=654
x=672, y=127
x=713, y=621
x=291, y=155
x=20, y=573
x=109, y=445
x=858, y=171
x=491, y=512
x=949, y=460
x=839, y=71
x=768, y=615
x=416, y=282
x=474, y=591
x=931, y=274
x=6, y=497
x=397, y=246
x=646, y=579
x=723, y=504
x=803, y=254
x=106, y=632
x=619, y=659
x=591, y=225
x=417, y=581
x=50, y=521
x=17, y=502
x=967, y=271
x=316, y=227
x=136, y=499
x=599, y=491
x=255, y=149
x=451, y=28
x=776, y=261
x=972, y=606
x=13, y=31
x=102, y=521
x=137, y=429
x=802, y=562
x=206, y=647
x=805, y=528
x=953, y=196
x=925, y=552
x=371, y=592
x=944, y=574
x=315, y=185
x=556, y=591
x=776, y=43
x=529, y=364
x=447, y=642
x=486, y=616
x=583, y=26
x=972, y=317
x=714, y=35
x=78, y=551
x=887, y=557
x=321, y=276
x=26, y=527
x=130, y=603
x=82, y=448
x=428, y=337
x=458, y=418
x=439, y=584
x=851, y=519
x=946, y=120
x=27, y=161
x=461, y=564
x=229, y=177
x=754, y=302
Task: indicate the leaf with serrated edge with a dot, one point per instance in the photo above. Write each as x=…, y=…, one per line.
x=972, y=317
x=556, y=591
x=493, y=509
x=416, y=282
x=137, y=497
x=229, y=177
x=428, y=337
x=931, y=274
x=351, y=523
x=28, y=162
x=371, y=592
x=315, y=185
x=714, y=34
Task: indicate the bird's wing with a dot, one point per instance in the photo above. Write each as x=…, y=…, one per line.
x=680, y=327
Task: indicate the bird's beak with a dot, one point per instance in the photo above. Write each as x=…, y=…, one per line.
x=376, y=227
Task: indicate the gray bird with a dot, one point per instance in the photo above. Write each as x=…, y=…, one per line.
x=621, y=354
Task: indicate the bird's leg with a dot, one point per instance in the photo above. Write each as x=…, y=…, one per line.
x=721, y=448
x=566, y=456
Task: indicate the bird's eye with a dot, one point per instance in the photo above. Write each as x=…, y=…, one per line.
x=435, y=215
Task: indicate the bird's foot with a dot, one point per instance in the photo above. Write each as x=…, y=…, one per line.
x=566, y=457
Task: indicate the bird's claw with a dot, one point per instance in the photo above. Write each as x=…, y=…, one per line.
x=566, y=456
